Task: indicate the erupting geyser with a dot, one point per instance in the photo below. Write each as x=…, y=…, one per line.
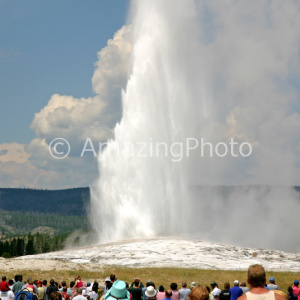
x=194, y=75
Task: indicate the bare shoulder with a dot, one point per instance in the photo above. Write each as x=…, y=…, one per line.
x=278, y=297
x=244, y=297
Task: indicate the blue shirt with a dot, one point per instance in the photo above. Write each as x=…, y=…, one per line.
x=235, y=292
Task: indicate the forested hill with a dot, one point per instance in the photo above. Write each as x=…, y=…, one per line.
x=69, y=202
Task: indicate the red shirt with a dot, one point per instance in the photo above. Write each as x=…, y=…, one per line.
x=4, y=286
x=296, y=291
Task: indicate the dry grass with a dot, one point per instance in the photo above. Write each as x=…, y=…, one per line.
x=159, y=275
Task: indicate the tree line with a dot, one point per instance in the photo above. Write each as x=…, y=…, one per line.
x=31, y=244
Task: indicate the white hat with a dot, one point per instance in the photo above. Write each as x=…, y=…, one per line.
x=236, y=282
x=193, y=284
x=150, y=292
x=216, y=292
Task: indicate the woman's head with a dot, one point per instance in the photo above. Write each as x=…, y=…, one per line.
x=199, y=293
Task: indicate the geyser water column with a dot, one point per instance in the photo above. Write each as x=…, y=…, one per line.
x=141, y=188
x=211, y=70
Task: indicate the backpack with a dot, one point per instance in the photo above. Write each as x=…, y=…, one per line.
x=25, y=295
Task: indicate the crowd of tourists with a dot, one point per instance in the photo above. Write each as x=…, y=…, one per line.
x=114, y=289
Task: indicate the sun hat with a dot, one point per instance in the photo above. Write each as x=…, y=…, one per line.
x=117, y=291
x=272, y=279
x=150, y=292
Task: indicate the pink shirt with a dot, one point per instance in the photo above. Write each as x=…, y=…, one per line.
x=296, y=291
x=175, y=295
x=160, y=295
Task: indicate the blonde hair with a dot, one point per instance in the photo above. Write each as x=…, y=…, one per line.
x=199, y=293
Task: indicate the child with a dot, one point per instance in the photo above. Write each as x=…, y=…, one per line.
x=4, y=287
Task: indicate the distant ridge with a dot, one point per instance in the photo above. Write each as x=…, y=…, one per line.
x=71, y=202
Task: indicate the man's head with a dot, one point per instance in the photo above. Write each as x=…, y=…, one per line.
x=184, y=285
x=63, y=283
x=272, y=280
x=256, y=276
x=113, y=278
x=173, y=286
x=72, y=283
x=65, y=289
x=236, y=283
x=45, y=282
x=243, y=284
x=79, y=291
x=168, y=293
x=296, y=282
x=213, y=284
x=136, y=282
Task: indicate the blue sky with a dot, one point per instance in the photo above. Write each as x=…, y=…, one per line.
x=49, y=47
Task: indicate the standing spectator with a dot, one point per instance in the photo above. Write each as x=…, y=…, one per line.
x=113, y=278
x=44, y=286
x=235, y=291
x=175, y=293
x=225, y=294
x=296, y=289
x=215, y=293
x=244, y=287
x=11, y=283
x=64, y=293
x=77, y=294
x=107, y=285
x=40, y=289
x=51, y=288
x=144, y=289
x=184, y=291
x=35, y=290
x=136, y=289
x=93, y=295
x=17, y=287
x=272, y=286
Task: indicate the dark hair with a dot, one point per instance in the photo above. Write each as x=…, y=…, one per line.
x=51, y=281
x=208, y=289
x=173, y=286
x=4, y=278
x=10, y=282
x=72, y=283
x=136, y=282
x=226, y=286
x=35, y=281
x=161, y=288
x=290, y=290
x=168, y=293
x=55, y=296
x=65, y=288
x=112, y=277
x=17, y=278
x=45, y=282
x=63, y=283
x=184, y=284
x=95, y=287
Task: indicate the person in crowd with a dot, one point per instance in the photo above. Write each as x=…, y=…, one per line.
x=113, y=278
x=64, y=293
x=11, y=283
x=244, y=287
x=7, y=295
x=184, y=291
x=93, y=295
x=272, y=286
x=291, y=294
x=161, y=293
x=168, y=295
x=41, y=291
x=78, y=282
x=151, y=293
x=256, y=280
x=193, y=284
x=4, y=286
x=107, y=285
x=215, y=293
x=88, y=287
x=235, y=291
x=77, y=294
x=17, y=287
x=136, y=289
x=144, y=289
x=30, y=286
x=51, y=288
x=296, y=289
x=175, y=293
x=35, y=290
x=44, y=286
x=199, y=293
x=225, y=294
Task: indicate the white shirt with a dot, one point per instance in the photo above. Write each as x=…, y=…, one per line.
x=93, y=295
x=7, y=295
x=79, y=297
